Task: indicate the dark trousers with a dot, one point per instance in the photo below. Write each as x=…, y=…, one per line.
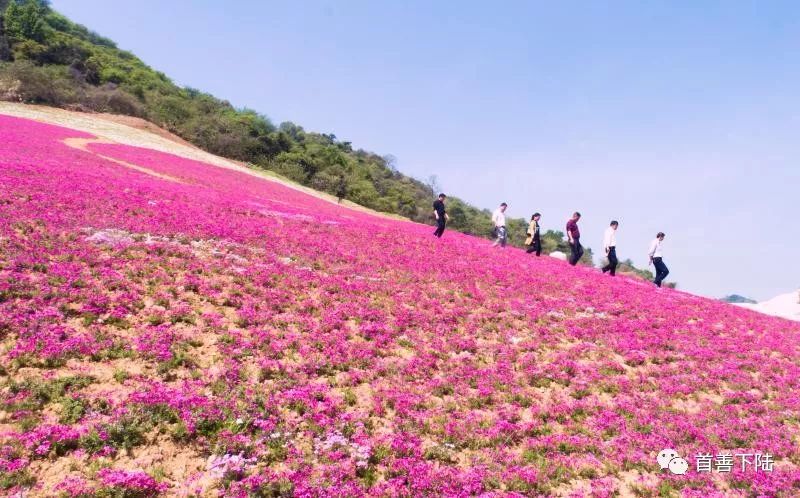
x=577, y=251
x=661, y=271
x=536, y=246
x=612, y=261
x=439, y=227
x=501, y=234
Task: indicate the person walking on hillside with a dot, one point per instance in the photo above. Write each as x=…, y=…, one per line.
x=534, y=242
x=499, y=220
x=574, y=239
x=657, y=259
x=441, y=215
x=610, y=246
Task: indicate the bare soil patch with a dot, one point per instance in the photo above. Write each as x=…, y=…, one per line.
x=128, y=130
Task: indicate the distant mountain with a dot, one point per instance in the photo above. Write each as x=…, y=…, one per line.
x=737, y=299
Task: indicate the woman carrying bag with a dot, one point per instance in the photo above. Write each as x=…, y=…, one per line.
x=534, y=242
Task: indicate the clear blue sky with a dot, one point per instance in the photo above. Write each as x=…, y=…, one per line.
x=675, y=116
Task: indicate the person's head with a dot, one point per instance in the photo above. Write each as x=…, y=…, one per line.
x=576, y=216
x=614, y=224
x=503, y=206
x=660, y=235
x=442, y=197
x=536, y=216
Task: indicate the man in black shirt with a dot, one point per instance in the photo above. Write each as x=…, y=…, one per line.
x=440, y=214
x=574, y=238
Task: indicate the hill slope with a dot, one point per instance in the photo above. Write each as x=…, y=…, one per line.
x=52, y=61
x=137, y=132
x=172, y=327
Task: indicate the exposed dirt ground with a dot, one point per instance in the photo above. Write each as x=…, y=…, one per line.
x=128, y=130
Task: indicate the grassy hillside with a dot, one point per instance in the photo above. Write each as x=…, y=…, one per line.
x=170, y=328
x=47, y=59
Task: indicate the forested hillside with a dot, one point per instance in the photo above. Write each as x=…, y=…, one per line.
x=47, y=59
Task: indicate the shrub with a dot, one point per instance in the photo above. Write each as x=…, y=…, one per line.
x=25, y=82
x=111, y=98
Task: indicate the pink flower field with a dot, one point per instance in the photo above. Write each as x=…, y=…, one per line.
x=179, y=329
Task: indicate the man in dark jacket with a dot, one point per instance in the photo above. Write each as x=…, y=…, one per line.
x=574, y=238
x=440, y=214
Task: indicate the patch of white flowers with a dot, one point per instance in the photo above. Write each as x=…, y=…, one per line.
x=358, y=452
x=220, y=466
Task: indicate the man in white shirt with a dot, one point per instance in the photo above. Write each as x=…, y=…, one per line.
x=610, y=246
x=499, y=220
x=656, y=258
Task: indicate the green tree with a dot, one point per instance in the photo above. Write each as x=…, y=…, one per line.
x=628, y=267
x=553, y=240
x=25, y=21
x=406, y=205
x=5, y=48
x=517, y=231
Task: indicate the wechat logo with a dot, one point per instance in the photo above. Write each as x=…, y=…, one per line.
x=669, y=459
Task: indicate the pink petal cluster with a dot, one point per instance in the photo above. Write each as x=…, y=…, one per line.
x=182, y=311
x=136, y=480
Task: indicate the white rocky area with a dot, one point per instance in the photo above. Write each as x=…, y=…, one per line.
x=785, y=305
